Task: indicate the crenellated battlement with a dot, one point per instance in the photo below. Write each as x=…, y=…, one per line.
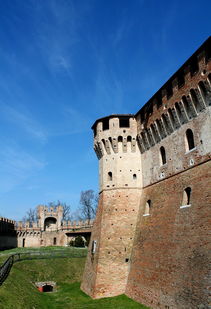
x=115, y=134
x=6, y=220
x=31, y=226
x=158, y=125
x=197, y=67
x=6, y=225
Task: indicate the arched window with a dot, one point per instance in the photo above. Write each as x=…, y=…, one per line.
x=189, y=140
x=134, y=176
x=162, y=155
x=147, y=208
x=186, y=197
x=110, y=176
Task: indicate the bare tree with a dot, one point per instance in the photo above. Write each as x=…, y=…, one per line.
x=66, y=209
x=31, y=216
x=88, y=205
x=96, y=200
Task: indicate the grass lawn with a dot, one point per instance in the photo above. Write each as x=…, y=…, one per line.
x=19, y=292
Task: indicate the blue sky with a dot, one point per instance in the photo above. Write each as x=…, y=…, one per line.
x=63, y=64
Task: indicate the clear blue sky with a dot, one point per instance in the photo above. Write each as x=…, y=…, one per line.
x=63, y=64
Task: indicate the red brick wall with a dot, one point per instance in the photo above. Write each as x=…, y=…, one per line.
x=106, y=271
x=170, y=260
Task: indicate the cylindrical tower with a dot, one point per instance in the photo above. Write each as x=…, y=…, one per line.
x=120, y=178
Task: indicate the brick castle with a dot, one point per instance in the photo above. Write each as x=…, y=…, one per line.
x=150, y=238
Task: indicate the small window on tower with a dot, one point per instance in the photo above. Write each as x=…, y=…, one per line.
x=189, y=140
x=162, y=155
x=124, y=122
x=186, y=200
x=110, y=176
x=147, y=208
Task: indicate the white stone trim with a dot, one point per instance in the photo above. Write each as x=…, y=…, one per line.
x=187, y=152
x=185, y=206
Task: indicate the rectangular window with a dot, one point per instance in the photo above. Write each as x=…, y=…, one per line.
x=105, y=124
x=124, y=122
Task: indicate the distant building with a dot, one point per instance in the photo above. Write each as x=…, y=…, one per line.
x=51, y=229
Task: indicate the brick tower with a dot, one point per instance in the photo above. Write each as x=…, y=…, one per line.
x=49, y=218
x=120, y=178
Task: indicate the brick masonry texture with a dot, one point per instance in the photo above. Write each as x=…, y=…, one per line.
x=152, y=226
x=171, y=251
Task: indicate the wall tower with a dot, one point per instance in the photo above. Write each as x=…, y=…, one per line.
x=120, y=180
x=49, y=218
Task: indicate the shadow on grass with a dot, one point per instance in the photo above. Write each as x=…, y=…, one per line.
x=70, y=296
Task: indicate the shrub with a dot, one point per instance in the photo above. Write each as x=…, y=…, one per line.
x=77, y=242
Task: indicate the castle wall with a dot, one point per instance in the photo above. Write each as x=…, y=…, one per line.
x=178, y=158
x=8, y=241
x=29, y=238
x=171, y=255
x=54, y=238
x=8, y=238
x=170, y=259
x=166, y=126
x=168, y=256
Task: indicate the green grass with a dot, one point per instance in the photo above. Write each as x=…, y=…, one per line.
x=50, y=248
x=19, y=291
x=78, y=252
